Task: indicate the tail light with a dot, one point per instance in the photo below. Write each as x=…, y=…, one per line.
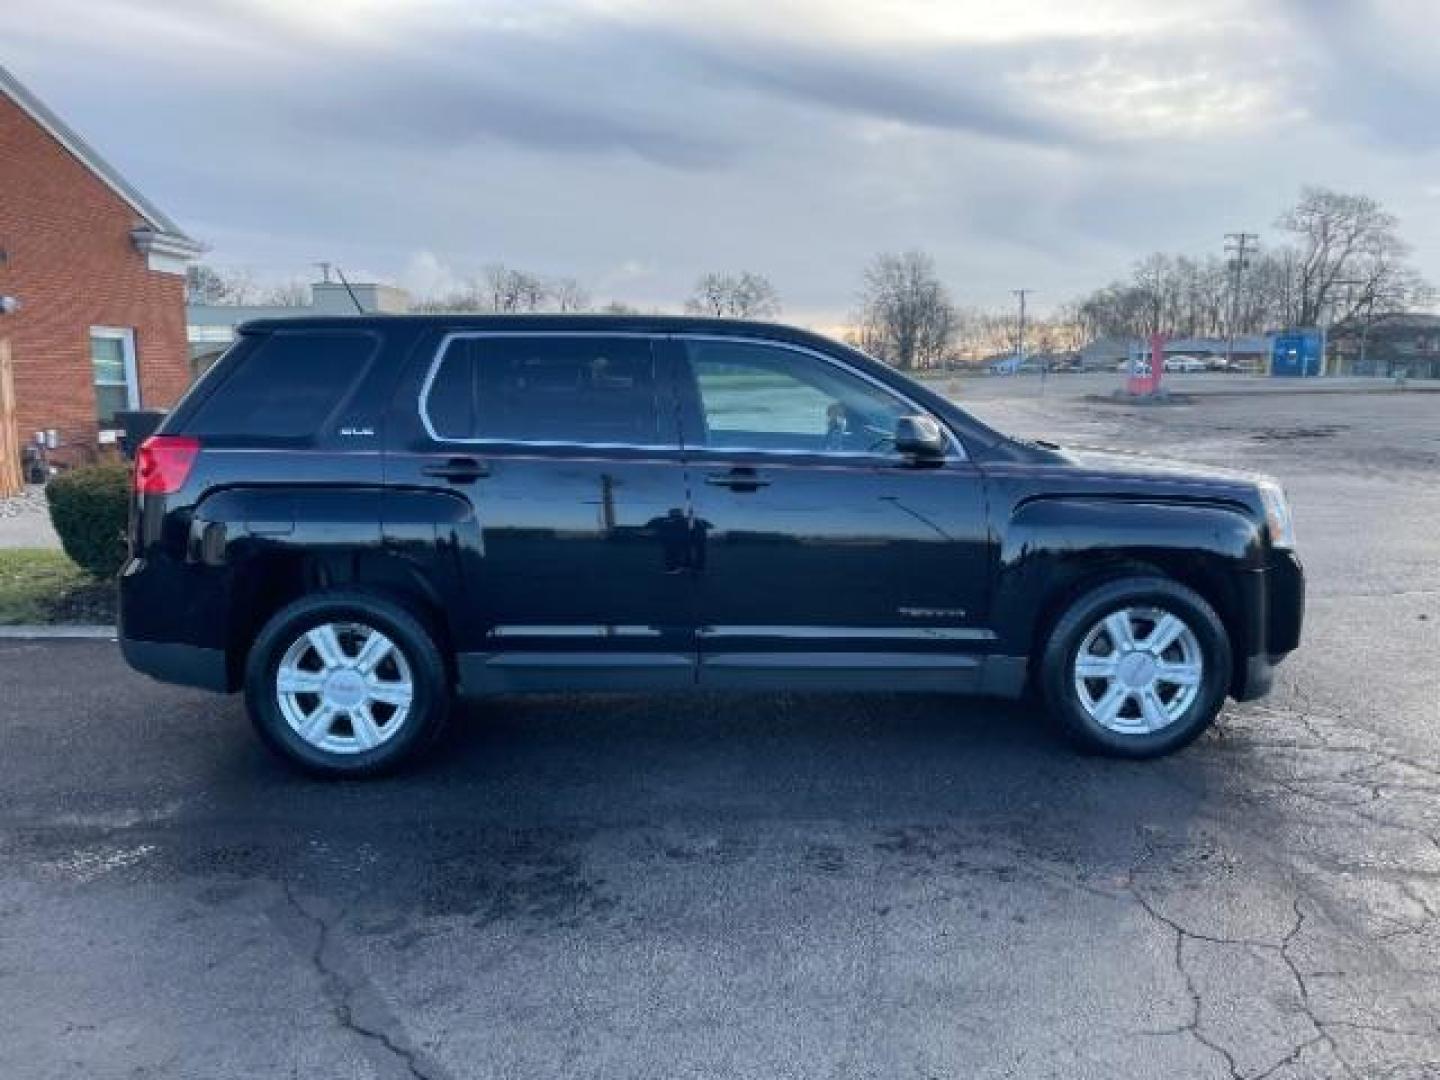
x=163, y=462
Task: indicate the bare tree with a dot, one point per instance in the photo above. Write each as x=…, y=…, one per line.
x=737, y=296
x=567, y=294
x=1344, y=238
x=906, y=315
x=293, y=293
x=499, y=289
x=1346, y=257
x=469, y=297
x=504, y=289
x=205, y=284
x=509, y=290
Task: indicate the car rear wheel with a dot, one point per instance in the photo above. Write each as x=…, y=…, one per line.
x=346, y=684
x=1136, y=667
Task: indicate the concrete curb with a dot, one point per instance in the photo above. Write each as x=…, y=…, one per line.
x=1300, y=391
x=58, y=632
x=1185, y=397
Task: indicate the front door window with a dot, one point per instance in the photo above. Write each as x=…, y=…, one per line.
x=759, y=397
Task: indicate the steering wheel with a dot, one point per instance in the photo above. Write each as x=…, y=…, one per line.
x=881, y=437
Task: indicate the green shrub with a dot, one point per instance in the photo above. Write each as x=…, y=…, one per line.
x=90, y=508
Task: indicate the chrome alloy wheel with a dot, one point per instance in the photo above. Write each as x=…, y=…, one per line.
x=1138, y=670
x=344, y=687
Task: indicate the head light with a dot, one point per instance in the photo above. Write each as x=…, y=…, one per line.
x=1277, y=514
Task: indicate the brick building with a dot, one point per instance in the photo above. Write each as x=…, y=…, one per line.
x=1387, y=344
x=99, y=276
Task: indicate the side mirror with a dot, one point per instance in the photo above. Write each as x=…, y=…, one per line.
x=919, y=437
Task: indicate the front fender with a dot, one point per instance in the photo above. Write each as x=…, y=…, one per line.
x=1051, y=544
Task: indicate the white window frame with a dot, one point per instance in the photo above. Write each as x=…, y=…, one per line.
x=126, y=336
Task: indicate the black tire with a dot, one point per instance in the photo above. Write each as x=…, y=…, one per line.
x=1057, y=680
x=429, y=705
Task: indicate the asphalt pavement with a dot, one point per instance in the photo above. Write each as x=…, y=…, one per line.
x=777, y=885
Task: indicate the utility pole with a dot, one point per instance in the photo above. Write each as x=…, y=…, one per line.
x=1237, y=245
x=1328, y=324
x=1365, y=332
x=1020, y=342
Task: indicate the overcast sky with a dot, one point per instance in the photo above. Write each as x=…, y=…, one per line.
x=634, y=145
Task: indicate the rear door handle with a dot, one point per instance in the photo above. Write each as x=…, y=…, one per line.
x=737, y=479
x=458, y=470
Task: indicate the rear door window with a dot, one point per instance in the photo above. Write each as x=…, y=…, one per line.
x=579, y=390
x=287, y=385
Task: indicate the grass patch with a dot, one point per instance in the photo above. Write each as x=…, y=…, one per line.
x=41, y=586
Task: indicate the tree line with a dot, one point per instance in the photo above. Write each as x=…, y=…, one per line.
x=1338, y=256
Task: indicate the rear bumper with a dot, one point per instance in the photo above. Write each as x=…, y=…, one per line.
x=187, y=665
x=147, y=620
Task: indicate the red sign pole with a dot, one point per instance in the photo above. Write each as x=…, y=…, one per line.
x=1139, y=383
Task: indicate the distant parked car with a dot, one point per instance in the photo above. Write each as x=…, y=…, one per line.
x=1184, y=363
x=1228, y=367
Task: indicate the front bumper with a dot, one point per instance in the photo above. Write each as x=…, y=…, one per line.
x=1278, y=614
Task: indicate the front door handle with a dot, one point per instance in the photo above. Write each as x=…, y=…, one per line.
x=738, y=479
x=458, y=470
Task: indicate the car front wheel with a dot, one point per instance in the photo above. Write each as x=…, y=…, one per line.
x=346, y=684
x=1136, y=667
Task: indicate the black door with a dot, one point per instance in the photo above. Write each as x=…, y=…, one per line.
x=824, y=556
x=551, y=462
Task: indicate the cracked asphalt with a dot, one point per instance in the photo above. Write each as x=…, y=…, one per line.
x=773, y=886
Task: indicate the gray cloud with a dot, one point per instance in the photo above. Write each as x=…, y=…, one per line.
x=563, y=136
x=952, y=89
x=1374, y=69
x=421, y=110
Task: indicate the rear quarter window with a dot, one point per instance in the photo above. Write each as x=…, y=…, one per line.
x=286, y=385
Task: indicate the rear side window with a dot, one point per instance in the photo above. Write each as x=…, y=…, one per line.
x=585, y=390
x=286, y=385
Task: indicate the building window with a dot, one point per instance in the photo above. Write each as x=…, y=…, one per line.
x=112, y=357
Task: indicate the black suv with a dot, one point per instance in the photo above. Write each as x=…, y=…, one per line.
x=354, y=519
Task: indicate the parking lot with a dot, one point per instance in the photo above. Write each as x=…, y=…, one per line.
x=775, y=886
